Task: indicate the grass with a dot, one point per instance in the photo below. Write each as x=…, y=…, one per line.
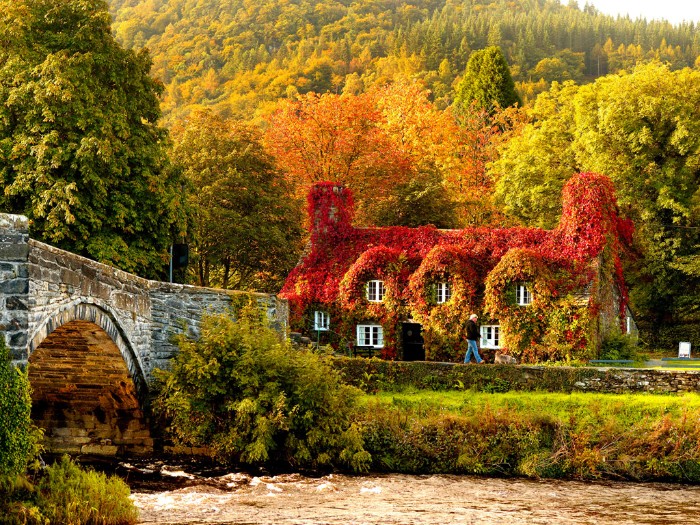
x=71, y=495
x=63, y=493
x=631, y=407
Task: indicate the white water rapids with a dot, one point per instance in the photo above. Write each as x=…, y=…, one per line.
x=293, y=499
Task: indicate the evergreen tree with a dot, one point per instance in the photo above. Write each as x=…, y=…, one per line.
x=487, y=80
x=80, y=151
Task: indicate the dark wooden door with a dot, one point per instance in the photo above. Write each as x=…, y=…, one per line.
x=412, y=339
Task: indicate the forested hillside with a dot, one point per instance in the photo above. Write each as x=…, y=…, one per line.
x=238, y=55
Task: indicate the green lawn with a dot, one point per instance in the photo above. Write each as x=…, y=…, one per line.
x=629, y=407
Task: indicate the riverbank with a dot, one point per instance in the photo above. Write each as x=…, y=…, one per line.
x=579, y=436
x=536, y=435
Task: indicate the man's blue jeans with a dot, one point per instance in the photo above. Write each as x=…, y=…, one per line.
x=472, y=349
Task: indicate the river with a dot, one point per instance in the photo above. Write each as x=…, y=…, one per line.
x=178, y=496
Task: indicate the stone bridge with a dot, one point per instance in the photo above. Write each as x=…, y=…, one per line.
x=93, y=335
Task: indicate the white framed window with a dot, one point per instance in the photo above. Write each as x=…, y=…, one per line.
x=370, y=335
x=321, y=320
x=444, y=292
x=522, y=295
x=375, y=291
x=490, y=336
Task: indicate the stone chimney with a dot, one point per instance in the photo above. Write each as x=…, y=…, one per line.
x=330, y=211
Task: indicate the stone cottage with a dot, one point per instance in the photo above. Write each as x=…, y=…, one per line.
x=406, y=293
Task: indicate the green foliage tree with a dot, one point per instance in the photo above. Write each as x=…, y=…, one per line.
x=534, y=165
x=247, y=228
x=18, y=436
x=417, y=202
x=81, y=153
x=487, y=80
x=254, y=399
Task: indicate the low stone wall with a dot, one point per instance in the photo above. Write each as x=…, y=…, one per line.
x=373, y=374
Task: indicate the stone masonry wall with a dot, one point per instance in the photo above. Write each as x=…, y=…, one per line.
x=141, y=315
x=14, y=284
x=64, y=287
x=445, y=376
x=177, y=309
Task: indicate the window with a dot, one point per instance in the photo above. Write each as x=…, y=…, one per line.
x=370, y=335
x=321, y=320
x=522, y=295
x=490, y=336
x=375, y=291
x=444, y=292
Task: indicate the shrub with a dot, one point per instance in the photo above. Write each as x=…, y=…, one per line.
x=18, y=436
x=68, y=494
x=617, y=345
x=252, y=398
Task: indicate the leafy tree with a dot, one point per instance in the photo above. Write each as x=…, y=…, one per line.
x=254, y=399
x=246, y=227
x=417, y=202
x=534, y=165
x=487, y=80
x=427, y=139
x=478, y=138
x=339, y=139
x=80, y=151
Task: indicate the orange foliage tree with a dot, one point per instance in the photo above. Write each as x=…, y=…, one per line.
x=480, y=134
x=407, y=162
x=335, y=138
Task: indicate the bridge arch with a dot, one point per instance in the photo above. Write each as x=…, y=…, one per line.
x=100, y=315
x=88, y=388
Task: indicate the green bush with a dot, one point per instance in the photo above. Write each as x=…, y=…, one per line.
x=252, y=398
x=63, y=493
x=68, y=494
x=18, y=436
x=618, y=346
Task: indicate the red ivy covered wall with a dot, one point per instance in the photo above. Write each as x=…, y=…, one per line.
x=481, y=265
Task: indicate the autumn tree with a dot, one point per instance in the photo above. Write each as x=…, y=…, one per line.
x=478, y=137
x=427, y=138
x=487, y=80
x=336, y=138
x=81, y=153
x=246, y=226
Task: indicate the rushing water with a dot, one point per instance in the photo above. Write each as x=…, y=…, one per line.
x=293, y=499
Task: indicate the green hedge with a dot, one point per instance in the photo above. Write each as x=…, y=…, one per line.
x=375, y=374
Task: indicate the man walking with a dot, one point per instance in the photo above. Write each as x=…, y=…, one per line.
x=472, y=338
